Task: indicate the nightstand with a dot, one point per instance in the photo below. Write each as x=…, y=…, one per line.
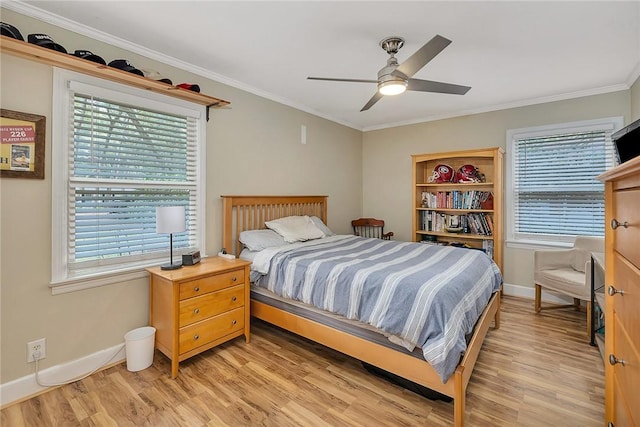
x=198, y=307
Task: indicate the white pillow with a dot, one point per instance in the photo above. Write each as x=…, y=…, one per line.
x=295, y=228
x=257, y=240
x=321, y=225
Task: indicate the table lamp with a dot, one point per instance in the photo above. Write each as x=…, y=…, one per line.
x=170, y=219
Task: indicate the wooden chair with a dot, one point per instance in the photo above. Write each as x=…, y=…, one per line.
x=370, y=227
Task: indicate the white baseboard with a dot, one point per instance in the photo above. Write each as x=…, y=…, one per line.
x=25, y=387
x=530, y=293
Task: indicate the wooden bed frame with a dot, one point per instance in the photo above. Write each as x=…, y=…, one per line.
x=250, y=212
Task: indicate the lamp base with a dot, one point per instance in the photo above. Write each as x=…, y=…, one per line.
x=171, y=266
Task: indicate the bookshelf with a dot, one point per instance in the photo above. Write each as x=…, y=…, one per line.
x=468, y=214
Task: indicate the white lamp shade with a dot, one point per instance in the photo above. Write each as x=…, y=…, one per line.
x=170, y=219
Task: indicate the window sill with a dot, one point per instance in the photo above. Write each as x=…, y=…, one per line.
x=537, y=244
x=96, y=277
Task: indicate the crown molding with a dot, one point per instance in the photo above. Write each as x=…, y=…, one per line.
x=67, y=24
x=516, y=104
x=34, y=12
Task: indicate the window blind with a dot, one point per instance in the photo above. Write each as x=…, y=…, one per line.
x=555, y=188
x=123, y=163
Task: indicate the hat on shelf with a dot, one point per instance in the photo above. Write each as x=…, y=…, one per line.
x=45, y=41
x=124, y=65
x=154, y=75
x=89, y=56
x=189, y=86
x=10, y=31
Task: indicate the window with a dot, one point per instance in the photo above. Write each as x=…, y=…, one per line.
x=119, y=153
x=552, y=191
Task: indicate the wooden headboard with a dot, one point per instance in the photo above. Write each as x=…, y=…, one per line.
x=240, y=213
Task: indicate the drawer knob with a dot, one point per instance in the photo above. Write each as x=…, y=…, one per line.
x=234, y=298
x=610, y=424
x=612, y=291
x=233, y=279
x=615, y=224
x=196, y=337
x=613, y=360
x=233, y=322
x=196, y=289
x=196, y=310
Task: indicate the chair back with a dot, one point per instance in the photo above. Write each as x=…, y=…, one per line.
x=369, y=227
x=584, y=246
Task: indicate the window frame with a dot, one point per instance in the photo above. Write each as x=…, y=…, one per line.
x=610, y=124
x=63, y=278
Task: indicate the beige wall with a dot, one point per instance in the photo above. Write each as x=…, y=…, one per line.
x=635, y=100
x=252, y=148
x=387, y=158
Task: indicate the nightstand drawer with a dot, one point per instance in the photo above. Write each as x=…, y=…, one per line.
x=199, y=308
x=212, y=283
x=211, y=329
x=626, y=210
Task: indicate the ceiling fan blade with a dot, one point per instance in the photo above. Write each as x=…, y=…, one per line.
x=375, y=98
x=342, y=80
x=438, y=87
x=422, y=56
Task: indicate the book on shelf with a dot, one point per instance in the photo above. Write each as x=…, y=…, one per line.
x=480, y=223
x=457, y=199
x=487, y=247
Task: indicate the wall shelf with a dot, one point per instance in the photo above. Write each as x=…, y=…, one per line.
x=54, y=58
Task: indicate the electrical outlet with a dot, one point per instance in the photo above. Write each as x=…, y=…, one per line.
x=36, y=346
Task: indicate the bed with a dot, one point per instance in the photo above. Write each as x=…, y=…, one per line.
x=243, y=213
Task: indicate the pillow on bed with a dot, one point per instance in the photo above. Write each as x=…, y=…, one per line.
x=322, y=227
x=295, y=228
x=257, y=240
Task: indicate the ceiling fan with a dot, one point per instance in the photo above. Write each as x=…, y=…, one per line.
x=394, y=78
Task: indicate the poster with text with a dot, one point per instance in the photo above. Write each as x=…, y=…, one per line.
x=17, y=145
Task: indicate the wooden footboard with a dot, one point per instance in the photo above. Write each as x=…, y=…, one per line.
x=402, y=364
x=250, y=212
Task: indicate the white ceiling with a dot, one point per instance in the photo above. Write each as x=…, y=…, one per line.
x=510, y=53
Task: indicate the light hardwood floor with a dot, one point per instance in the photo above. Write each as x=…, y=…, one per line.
x=536, y=370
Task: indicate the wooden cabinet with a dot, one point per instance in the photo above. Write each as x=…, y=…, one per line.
x=198, y=307
x=622, y=296
x=476, y=207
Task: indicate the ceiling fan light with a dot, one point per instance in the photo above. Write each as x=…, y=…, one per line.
x=393, y=87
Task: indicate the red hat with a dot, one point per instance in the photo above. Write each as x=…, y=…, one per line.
x=189, y=86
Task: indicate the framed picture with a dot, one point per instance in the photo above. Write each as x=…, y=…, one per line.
x=21, y=145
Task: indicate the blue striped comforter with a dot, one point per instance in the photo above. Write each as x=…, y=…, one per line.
x=427, y=296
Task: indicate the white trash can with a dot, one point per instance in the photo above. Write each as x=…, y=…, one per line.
x=139, y=345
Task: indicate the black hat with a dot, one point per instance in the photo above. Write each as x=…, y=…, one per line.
x=189, y=86
x=10, y=31
x=125, y=65
x=85, y=54
x=45, y=41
